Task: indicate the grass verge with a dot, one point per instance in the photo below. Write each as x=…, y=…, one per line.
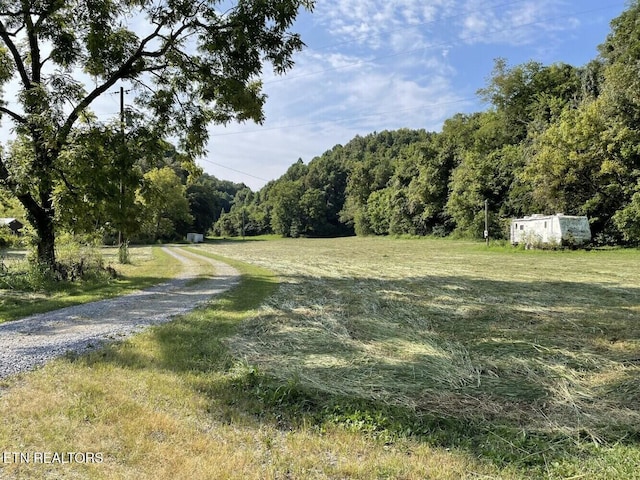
x=149, y=266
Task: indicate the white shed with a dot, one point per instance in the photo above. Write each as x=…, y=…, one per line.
x=555, y=229
x=195, y=237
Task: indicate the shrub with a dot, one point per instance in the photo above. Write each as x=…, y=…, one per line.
x=8, y=239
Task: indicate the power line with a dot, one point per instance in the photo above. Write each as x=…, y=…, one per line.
x=234, y=170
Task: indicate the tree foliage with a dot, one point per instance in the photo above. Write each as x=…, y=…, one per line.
x=209, y=198
x=555, y=138
x=164, y=205
x=190, y=63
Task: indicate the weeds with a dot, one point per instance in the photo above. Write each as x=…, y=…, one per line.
x=31, y=276
x=123, y=253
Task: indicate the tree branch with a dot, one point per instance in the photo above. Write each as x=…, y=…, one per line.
x=119, y=74
x=15, y=33
x=127, y=68
x=14, y=115
x=168, y=41
x=27, y=200
x=33, y=47
x=68, y=184
x=6, y=38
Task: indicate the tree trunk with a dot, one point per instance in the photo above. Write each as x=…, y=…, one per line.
x=43, y=216
x=42, y=220
x=46, y=254
x=40, y=214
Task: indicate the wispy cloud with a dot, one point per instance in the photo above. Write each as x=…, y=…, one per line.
x=514, y=23
x=372, y=23
x=387, y=64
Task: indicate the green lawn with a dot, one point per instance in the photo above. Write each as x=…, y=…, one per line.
x=361, y=358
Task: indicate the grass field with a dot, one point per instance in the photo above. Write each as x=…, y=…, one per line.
x=361, y=358
x=528, y=358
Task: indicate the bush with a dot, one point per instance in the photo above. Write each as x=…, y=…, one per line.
x=123, y=253
x=8, y=239
x=80, y=259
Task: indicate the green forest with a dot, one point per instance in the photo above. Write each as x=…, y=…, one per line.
x=554, y=138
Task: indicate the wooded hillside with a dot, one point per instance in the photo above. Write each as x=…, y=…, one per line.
x=555, y=138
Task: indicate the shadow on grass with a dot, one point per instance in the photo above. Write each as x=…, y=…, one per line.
x=518, y=338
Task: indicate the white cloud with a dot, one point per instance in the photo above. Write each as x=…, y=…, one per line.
x=389, y=102
x=372, y=23
x=382, y=64
x=267, y=153
x=520, y=23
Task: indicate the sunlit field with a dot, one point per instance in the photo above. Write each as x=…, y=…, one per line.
x=361, y=358
x=533, y=355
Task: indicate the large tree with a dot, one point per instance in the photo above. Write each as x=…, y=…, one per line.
x=190, y=62
x=164, y=205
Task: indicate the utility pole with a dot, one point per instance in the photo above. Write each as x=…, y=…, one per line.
x=486, y=221
x=121, y=206
x=244, y=205
x=122, y=110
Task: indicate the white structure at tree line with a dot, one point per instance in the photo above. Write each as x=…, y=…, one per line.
x=558, y=229
x=195, y=237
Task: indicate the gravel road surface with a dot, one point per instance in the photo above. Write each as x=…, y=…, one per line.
x=32, y=341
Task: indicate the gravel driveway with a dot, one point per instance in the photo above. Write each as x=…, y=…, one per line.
x=32, y=341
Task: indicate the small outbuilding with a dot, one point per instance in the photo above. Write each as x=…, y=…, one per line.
x=14, y=225
x=195, y=237
x=558, y=229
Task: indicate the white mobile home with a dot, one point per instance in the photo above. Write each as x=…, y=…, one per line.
x=556, y=229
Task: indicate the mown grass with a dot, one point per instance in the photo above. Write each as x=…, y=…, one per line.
x=372, y=358
x=175, y=402
x=530, y=359
x=149, y=266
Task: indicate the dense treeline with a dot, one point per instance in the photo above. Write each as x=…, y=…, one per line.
x=161, y=196
x=555, y=138
x=150, y=192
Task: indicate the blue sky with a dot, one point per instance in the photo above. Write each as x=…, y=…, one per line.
x=373, y=65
